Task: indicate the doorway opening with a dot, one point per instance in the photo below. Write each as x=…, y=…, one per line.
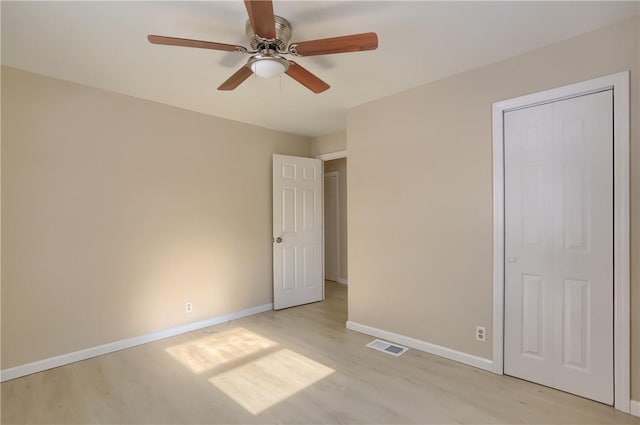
x=335, y=220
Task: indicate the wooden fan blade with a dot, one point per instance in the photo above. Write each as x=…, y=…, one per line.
x=306, y=78
x=262, y=19
x=185, y=42
x=344, y=44
x=236, y=79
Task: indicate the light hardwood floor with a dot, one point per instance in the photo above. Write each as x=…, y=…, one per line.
x=294, y=366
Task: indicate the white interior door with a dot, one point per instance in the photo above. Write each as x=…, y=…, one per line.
x=297, y=231
x=331, y=223
x=559, y=245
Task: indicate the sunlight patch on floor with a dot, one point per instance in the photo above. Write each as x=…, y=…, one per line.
x=262, y=383
x=212, y=351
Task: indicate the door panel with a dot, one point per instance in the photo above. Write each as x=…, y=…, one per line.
x=583, y=249
x=559, y=245
x=576, y=324
x=532, y=316
x=528, y=214
x=297, y=231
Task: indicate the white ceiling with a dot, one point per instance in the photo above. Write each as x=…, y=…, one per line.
x=103, y=44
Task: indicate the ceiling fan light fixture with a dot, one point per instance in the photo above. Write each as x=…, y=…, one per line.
x=268, y=66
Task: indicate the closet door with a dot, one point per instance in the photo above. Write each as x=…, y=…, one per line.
x=559, y=245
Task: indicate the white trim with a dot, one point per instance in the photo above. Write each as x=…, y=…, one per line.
x=498, y=241
x=335, y=174
x=64, y=359
x=328, y=157
x=427, y=347
x=338, y=228
x=621, y=240
x=324, y=291
x=635, y=408
x=620, y=84
x=332, y=155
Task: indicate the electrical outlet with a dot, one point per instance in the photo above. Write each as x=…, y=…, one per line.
x=188, y=306
x=481, y=333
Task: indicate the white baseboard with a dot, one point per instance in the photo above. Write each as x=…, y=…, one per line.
x=438, y=350
x=635, y=408
x=61, y=360
x=342, y=280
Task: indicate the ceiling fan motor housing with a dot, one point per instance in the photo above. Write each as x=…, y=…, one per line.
x=283, y=35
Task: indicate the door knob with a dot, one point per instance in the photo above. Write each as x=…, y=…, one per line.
x=278, y=239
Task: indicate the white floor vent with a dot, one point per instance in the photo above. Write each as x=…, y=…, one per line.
x=387, y=347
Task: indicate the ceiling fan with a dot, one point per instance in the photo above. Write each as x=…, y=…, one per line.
x=269, y=37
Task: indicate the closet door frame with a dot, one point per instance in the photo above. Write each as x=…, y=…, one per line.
x=619, y=83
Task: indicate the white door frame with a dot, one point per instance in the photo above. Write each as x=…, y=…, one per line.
x=324, y=227
x=332, y=155
x=328, y=157
x=621, y=304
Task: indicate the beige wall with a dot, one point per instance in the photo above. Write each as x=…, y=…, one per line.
x=333, y=142
x=116, y=210
x=340, y=165
x=420, y=192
